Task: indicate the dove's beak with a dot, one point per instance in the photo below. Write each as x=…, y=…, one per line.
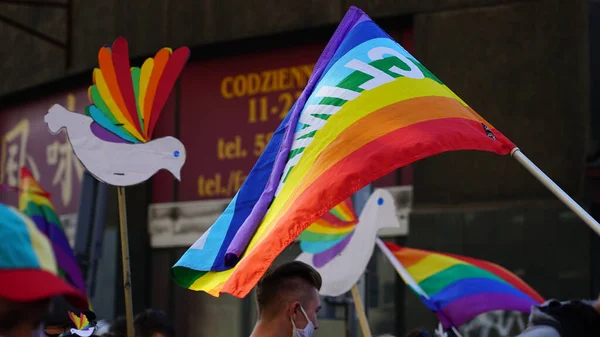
x=177, y=174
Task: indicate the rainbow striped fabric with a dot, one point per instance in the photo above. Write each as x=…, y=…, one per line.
x=329, y=235
x=460, y=288
x=35, y=203
x=369, y=108
x=127, y=101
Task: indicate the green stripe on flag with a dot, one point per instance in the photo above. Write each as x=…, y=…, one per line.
x=185, y=277
x=318, y=237
x=34, y=209
x=438, y=282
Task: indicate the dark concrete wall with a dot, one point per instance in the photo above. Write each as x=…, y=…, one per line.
x=523, y=67
x=27, y=61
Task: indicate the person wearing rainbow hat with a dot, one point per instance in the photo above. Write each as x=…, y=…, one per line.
x=28, y=276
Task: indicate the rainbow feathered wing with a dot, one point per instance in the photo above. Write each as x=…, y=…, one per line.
x=329, y=235
x=82, y=325
x=368, y=108
x=127, y=101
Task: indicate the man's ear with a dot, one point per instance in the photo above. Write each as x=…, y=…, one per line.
x=293, y=309
x=597, y=305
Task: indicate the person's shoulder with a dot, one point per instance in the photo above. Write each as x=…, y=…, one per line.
x=540, y=331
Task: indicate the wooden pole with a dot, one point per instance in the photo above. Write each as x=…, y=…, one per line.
x=360, y=311
x=125, y=260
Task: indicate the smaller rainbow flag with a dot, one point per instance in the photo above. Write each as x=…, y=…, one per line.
x=35, y=202
x=459, y=288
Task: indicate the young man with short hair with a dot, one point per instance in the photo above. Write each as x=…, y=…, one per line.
x=287, y=299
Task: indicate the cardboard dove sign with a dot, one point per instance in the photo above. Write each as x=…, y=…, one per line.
x=82, y=325
x=113, y=139
x=339, y=245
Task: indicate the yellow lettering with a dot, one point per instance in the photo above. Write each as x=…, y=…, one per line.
x=307, y=70
x=201, y=186
x=210, y=184
x=230, y=149
x=283, y=79
x=298, y=77
x=266, y=81
x=220, y=153
x=286, y=99
x=253, y=84
x=225, y=91
x=239, y=85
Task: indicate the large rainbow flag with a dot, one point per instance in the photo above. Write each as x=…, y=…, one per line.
x=35, y=202
x=369, y=108
x=459, y=288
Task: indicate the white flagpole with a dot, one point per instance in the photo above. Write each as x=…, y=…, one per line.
x=564, y=197
x=405, y=275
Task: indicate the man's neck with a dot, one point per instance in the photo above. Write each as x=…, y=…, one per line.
x=272, y=328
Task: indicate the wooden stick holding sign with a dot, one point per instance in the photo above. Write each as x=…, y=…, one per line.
x=360, y=311
x=125, y=260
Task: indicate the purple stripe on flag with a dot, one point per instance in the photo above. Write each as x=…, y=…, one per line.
x=68, y=264
x=465, y=309
x=240, y=242
x=52, y=231
x=321, y=259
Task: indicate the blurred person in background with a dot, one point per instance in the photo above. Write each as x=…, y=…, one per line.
x=153, y=323
x=28, y=277
x=564, y=319
x=118, y=328
x=58, y=322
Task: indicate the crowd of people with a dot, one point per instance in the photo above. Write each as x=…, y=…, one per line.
x=35, y=301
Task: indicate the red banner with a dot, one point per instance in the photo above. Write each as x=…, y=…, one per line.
x=26, y=141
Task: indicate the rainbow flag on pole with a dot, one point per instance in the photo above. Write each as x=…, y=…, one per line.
x=35, y=202
x=458, y=288
x=369, y=108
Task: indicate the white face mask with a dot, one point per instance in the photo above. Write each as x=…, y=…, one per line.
x=308, y=329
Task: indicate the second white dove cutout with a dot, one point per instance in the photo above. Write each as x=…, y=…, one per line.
x=341, y=253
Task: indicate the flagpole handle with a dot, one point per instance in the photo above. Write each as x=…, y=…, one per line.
x=400, y=268
x=125, y=260
x=551, y=185
x=360, y=311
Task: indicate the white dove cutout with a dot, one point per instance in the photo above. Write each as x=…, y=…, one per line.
x=116, y=163
x=113, y=139
x=340, y=248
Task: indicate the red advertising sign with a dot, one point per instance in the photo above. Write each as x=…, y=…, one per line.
x=26, y=141
x=229, y=110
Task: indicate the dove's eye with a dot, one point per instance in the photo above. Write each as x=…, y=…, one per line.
x=176, y=153
x=380, y=201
